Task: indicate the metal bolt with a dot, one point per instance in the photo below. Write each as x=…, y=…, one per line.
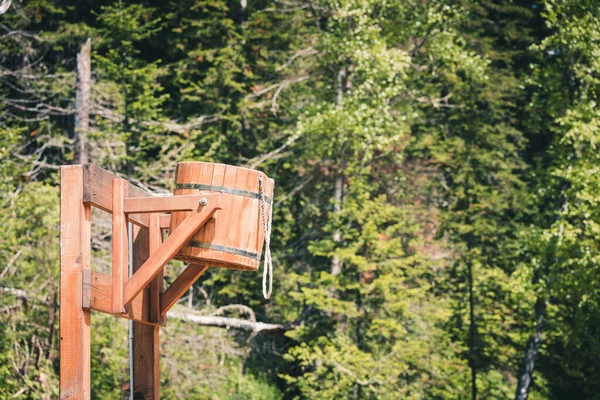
x=203, y=201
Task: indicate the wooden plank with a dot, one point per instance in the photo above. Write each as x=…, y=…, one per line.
x=180, y=286
x=97, y=191
x=75, y=249
x=218, y=176
x=146, y=352
x=156, y=286
x=190, y=171
x=170, y=247
x=120, y=245
x=97, y=296
x=204, y=177
x=165, y=221
x=243, y=228
x=226, y=220
x=176, y=218
x=162, y=204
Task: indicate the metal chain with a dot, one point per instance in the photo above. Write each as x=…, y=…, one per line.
x=268, y=265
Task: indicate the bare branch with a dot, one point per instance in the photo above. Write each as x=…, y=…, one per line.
x=230, y=323
x=295, y=190
x=204, y=320
x=36, y=77
x=240, y=307
x=10, y=262
x=25, y=296
x=4, y=5
x=170, y=126
x=255, y=162
x=285, y=82
x=304, y=52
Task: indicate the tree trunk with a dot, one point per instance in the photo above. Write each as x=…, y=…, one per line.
x=472, y=332
x=531, y=351
x=336, y=264
x=82, y=102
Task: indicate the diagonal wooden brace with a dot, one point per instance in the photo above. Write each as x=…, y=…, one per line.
x=176, y=240
x=178, y=288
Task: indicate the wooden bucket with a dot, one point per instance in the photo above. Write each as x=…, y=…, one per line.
x=234, y=237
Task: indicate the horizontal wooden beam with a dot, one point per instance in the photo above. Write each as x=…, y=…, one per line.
x=178, y=288
x=155, y=204
x=170, y=248
x=97, y=296
x=97, y=191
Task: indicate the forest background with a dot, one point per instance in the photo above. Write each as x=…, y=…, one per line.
x=437, y=201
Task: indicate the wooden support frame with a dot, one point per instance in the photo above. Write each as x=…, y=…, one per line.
x=139, y=298
x=146, y=337
x=167, y=250
x=180, y=286
x=75, y=251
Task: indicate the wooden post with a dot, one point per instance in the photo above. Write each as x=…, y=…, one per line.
x=75, y=248
x=156, y=286
x=120, y=245
x=139, y=298
x=146, y=351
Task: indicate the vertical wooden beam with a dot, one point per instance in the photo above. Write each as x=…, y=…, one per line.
x=120, y=246
x=75, y=249
x=157, y=261
x=156, y=286
x=146, y=351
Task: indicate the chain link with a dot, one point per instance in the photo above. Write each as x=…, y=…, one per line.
x=268, y=265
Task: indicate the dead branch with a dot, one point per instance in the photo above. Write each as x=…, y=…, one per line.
x=240, y=307
x=297, y=189
x=285, y=82
x=256, y=161
x=10, y=262
x=203, y=320
x=18, y=293
x=230, y=323
x=22, y=295
x=304, y=52
x=169, y=126
x=4, y=5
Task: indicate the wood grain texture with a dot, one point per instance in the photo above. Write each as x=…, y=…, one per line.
x=225, y=217
x=156, y=262
x=233, y=239
x=156, y=286
x=202, y=175
x=187, y=175
x=146, y=338
x=162, y=204
x=165, y=221
x=75, y=247
x=97, y=191
x=178, y=288
x=218, y=177
x=97, y=296
x=120, y=246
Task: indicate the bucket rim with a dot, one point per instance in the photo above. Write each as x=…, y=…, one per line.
x=226, y=165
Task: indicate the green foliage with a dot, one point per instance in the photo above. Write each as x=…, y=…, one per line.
x=437, y=188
